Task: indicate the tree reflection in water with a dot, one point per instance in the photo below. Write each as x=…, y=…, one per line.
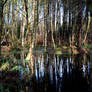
x=63, y=73
x=57, y=73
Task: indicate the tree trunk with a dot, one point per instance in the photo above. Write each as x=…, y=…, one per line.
x=69, y=27
x=1, y=23
x=79, y=22
x=88, y=27
x=36, y=20
x=22, y=31
x=53, y=21
x=28, y=30
x=58, y=24
x=2, y=3
x=45, y=22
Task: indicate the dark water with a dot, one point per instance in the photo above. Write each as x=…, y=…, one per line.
x=55, y=73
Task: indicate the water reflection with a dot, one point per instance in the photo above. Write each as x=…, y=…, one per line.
x=57, y=73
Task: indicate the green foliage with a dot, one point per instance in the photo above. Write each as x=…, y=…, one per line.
x=89, y=47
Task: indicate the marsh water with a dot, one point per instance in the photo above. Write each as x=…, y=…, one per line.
x=50, y=72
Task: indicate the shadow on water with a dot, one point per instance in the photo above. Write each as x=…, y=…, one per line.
x=56, y=73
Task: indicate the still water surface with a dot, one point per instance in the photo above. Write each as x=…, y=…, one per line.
x=51, y=73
